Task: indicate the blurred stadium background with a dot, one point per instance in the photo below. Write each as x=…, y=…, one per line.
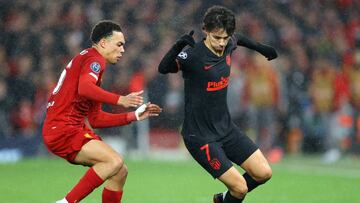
x=302, y=109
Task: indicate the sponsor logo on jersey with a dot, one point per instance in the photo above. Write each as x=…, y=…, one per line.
x=217, y=85
x=95, y=67
x=215, y=164
x=183, y=55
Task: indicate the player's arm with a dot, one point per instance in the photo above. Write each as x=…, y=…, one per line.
x=168, y=63
x=100, y=119
x=267, y=51
x=89, y=89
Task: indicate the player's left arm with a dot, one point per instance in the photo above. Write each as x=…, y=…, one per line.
x=100, y=119
x=266, y=50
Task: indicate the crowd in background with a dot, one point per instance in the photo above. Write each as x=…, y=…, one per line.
x=307, y=100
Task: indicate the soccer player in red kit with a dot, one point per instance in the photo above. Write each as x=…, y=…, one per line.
x=74, y=108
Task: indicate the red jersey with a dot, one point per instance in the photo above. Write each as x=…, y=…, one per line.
x=78, y=95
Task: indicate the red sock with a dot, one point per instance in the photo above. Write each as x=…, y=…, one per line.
x=85, y=186
x=109, y=196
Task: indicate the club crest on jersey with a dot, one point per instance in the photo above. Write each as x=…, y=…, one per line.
x=95, y=67
x=228, y=60
x=183, y=55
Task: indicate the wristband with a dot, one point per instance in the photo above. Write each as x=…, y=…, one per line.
x=140, y=110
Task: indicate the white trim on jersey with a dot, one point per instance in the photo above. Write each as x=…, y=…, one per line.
x=95, y=76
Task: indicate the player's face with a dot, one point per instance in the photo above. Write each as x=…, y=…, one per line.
x=114, y=47
x=217, y=39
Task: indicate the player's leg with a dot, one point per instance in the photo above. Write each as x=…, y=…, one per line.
x=103, y=158
x=257, y=170
x=242, y=151
x=236, y=184
x=105, y=163
x=113, y=190
x=212, y=158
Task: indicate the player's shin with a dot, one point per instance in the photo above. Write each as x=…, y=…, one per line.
x=109, y=196
x=113, y=191
x=250, y=182
x=226, y=197
x=85, y=186
x=231, y=199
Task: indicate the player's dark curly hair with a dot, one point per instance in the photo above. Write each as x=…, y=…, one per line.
x=103, y=29
x=219, y=17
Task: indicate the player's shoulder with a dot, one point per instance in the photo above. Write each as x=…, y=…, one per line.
x=232, y=45
x=90, y=58
x=91, y=55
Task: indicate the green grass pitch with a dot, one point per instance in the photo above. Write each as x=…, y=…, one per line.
x=295, y=180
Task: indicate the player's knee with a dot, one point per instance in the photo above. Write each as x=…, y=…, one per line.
x=121, y=174
x=115, y=164
x=268, y=174
x=239, y=190
x=123, y=171
x=265, y=175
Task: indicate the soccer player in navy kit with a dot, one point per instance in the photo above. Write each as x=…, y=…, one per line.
x=210, y=136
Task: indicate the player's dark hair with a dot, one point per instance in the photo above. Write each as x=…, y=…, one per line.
x=219, y=17
x=103, y=29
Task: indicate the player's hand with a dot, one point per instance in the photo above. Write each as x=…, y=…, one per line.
x=267, y=51
x=133, y=99
x=147, y=110
x=186, y=39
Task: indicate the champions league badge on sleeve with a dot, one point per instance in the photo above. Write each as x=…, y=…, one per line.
x=183, y=55
x=95, y=67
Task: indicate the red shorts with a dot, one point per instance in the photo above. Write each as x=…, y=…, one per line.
x=66, y=142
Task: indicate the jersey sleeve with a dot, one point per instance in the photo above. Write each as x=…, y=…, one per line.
x=233, y=43
x=90, y=74
x=242, y=40
x=182, y=60
x=100, y=119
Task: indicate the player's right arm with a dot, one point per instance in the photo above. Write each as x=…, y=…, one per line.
x=168, y=63
x=133, y=99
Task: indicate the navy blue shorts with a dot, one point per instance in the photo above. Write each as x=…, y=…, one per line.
x=217, y=157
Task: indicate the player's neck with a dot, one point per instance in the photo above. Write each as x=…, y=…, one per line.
x=98, y=49
x=208, y=45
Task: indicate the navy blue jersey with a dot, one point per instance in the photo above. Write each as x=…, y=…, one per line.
x=206, y=77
